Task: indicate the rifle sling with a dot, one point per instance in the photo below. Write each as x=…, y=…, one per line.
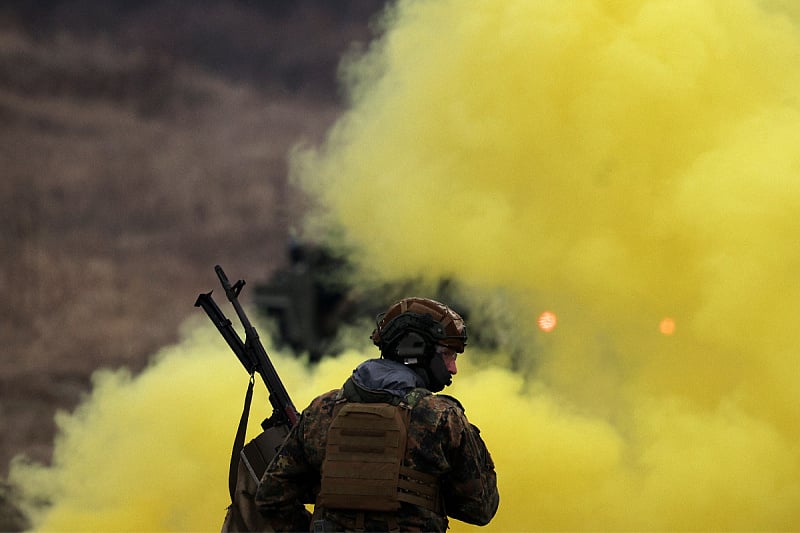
x=238, y=442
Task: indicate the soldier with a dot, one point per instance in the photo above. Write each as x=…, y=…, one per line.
x=383, y=453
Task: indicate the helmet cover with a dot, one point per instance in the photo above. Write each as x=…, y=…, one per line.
x=434, y=321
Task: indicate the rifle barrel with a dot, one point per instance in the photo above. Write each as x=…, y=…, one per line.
x=251, y=352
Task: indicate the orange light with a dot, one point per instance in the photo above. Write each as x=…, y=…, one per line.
x=667, y=326
x=547, y=321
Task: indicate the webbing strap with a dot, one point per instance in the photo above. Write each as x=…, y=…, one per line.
x=419, y=488
x=238, y=442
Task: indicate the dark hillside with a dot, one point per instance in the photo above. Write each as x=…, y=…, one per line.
x=292, y=46
x=140, y=144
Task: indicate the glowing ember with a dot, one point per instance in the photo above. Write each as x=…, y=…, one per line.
x=547, y=321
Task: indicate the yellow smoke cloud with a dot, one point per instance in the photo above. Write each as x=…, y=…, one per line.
x=151, y=453
x=618, y=163
x=613, y=162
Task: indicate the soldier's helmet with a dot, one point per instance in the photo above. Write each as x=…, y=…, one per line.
x=412, y=327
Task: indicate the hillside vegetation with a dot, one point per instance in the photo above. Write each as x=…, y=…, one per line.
x=139, y=146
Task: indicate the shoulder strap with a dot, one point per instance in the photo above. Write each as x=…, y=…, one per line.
x=238, y=442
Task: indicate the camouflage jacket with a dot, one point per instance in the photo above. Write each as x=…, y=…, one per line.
x=441, y=441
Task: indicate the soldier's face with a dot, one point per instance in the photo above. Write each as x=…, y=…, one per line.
x=449, y=357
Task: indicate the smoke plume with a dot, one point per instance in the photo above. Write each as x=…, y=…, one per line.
x=633, y=168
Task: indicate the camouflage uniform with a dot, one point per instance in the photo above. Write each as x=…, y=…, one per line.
x=441, y=441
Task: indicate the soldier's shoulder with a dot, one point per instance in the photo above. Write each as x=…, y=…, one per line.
x=325, y=400
x=441, y=402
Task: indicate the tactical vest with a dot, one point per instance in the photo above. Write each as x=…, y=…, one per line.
x=363, y=468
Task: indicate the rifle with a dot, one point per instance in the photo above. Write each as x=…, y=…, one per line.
x=257, y=454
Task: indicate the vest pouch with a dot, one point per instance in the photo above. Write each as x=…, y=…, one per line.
x=365, y=449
